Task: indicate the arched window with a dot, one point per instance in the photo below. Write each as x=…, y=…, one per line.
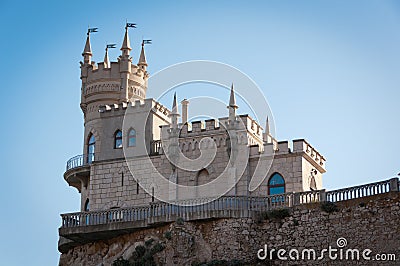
x=91, y=148
x=87, y=206
x=202, y=177
x=118, y=139
x=132, y=138
x=276, y=184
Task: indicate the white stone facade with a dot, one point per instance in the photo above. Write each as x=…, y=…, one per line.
x=111, y=90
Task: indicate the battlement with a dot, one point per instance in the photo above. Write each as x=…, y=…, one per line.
x=146, y=105
x=301, y=145
x=100, y=72
x=279, y=148
x=97, y=75
x=218, y=126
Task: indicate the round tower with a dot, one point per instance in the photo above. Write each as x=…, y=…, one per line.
x=108, y=83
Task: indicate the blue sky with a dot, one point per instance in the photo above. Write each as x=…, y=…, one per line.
x=330, y=72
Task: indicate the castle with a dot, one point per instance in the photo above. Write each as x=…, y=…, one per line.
x=101, y=175
x=112, y=174
x=137, y=179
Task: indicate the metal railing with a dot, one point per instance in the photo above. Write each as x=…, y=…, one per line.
x=80, y=160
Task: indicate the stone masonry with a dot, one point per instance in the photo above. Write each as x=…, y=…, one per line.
x=366, y=223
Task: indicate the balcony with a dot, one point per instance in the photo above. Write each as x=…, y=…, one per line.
x=84, y=227
x=155, y=147
x=78, y=170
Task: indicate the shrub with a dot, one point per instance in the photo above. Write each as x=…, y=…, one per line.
x=157, y=248
x=329, y=207
x=277, y=214
x=295, y=222
x=180, y=221
x=148, y=242
x=140, y=250
x=121, y=262
x=168, y=235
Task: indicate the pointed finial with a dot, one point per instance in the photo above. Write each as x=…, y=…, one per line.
x=142, y=58
x=232, y=105
x=267, y=131
x=174, y=113
x=126, y=44
x=87, y=51
x=232, y=99
x=106, y=59
x=175, y=105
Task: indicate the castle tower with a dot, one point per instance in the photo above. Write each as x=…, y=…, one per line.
x=111, y=82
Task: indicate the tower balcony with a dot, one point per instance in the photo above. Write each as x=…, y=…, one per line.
x=78, y=170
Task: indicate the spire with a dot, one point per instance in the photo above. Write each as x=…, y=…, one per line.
x=88, y=48
x=126, y=44
x=232, y=99
x=175, y=106
x=232, y=105
x=174, y=114
x=106, y=59
x=87, y=51
x=142, y=58
x=267, y=131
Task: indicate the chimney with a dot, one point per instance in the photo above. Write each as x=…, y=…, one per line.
x=185, y=104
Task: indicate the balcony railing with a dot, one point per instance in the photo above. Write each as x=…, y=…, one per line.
x=155, y=147
x=227, y=206
x=363, y=190
x=224, y=207
x=80, y=160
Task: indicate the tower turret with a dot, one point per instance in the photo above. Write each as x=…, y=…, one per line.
x=111, y=82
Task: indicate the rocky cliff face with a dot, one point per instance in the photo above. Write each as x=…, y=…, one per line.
x=366, y=223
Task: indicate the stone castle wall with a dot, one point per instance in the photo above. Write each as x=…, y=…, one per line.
x=112, y=185
x=366, y=223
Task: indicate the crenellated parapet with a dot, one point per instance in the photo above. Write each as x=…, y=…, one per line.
x=310, y=153
x=99, y=73
x=300, y=147
x=137, y=106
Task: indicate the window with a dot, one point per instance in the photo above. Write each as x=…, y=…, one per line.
x=132, y=138
x=202, y=177
x=86, y=209
x=276, y=184
x=87, y=205
x=91, y=148
x=118, y=139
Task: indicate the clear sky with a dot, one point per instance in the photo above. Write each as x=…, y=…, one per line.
x=330, y=71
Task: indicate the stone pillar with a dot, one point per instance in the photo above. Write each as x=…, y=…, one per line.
x=185, y=111
x=394, y=184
